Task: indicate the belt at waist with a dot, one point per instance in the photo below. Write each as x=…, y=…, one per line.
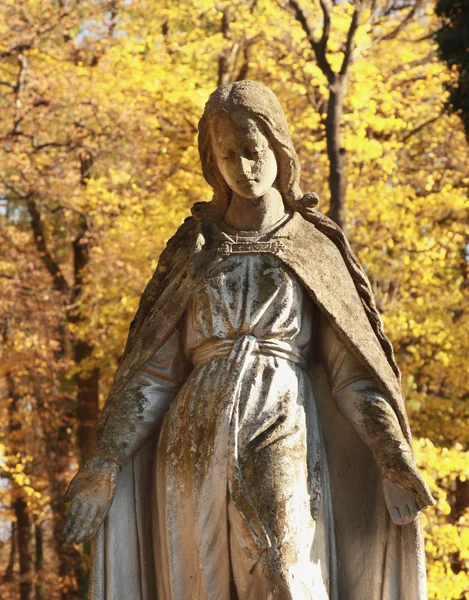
x=221, y=348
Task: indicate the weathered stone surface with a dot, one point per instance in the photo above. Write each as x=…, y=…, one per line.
x=284, y=467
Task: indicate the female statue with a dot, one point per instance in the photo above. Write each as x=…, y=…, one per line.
x=255, y=443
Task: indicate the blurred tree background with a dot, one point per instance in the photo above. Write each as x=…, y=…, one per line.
x=453, y=40
x=99, y=104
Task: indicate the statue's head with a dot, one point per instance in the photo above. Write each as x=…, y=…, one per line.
x=246, y=116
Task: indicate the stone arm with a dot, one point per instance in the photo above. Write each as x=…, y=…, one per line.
x=365, y=405
x=133, y=419
x=144, y=403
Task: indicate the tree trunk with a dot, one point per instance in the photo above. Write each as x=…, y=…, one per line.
x=70, y=562
x=337, y=82
x=87, y=402
x=58, y=448
x=69, y=559
x=19, y=505
x=24, y=548
x=335, y=152
x=8, y=575
x=460, y=504
x=39, y=563
x=87, y=382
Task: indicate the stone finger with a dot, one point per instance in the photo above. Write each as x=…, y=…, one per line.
x=71, y=516
x=405, y=511
x=71, y=491
x=408, y=519
x=80, y=522
x=396, y=513
x=87, y=524
x=102, y=513
x=75, y=526
x=97, y=522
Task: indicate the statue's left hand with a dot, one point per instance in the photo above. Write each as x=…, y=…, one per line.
x=405, y=491
x=402, y=505
x=91, y=493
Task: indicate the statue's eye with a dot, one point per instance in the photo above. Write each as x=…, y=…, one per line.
x=250, y=151
x=229, y=155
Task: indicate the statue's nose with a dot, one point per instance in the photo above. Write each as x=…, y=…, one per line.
x=246, y=164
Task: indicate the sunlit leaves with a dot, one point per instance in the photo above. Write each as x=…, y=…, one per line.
x=119, y=90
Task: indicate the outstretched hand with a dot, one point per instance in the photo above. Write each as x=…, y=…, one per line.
x=405, y=491
x=91, y=493
x=403, y=505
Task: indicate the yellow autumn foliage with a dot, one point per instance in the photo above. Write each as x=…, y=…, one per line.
x=117, y=88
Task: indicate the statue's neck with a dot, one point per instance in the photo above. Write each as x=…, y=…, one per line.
x=256, y=214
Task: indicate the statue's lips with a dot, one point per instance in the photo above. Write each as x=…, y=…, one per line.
x=247, y=181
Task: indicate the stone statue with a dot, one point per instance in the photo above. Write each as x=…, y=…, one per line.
x=255, y=444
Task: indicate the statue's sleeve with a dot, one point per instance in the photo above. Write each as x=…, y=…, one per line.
x=144, y=402
x=363, y=403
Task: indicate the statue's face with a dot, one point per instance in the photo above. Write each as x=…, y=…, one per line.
x=243, y=155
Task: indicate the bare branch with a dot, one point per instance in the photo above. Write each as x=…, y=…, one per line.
x=62, y=206
x=301, y=18
x=403, y=22
x=411, y=64
x=350, y=43
x=326, y=28
x=243, y=71
x=60, y=283
x=393, y=8
x=48, y=145
x=114, y=13
x=319, y=47
x=223, y=58
x=15, y=50
x=246, y=50
x=193, y=126
x=421, y=126
x=407, y=81
x=428, y=36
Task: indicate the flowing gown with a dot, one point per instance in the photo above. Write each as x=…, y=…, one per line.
x=241, y=504
x=239, y=474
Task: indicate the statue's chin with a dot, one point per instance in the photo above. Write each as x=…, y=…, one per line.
x=251, y=192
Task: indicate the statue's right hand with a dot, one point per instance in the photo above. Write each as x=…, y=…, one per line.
x=91, y=493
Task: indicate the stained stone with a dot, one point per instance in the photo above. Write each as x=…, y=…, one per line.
x=255, y=444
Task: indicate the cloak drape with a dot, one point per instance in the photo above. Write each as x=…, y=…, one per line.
x=363, y=528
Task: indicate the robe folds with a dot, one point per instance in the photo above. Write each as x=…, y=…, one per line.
x=363, y=529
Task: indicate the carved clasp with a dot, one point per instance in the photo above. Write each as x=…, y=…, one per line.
x=227, y=248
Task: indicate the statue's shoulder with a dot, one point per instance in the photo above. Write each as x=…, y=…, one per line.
x=177, y=251
x=309, y=239
x=180, y=243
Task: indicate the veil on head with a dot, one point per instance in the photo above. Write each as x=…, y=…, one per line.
x=256, y=101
